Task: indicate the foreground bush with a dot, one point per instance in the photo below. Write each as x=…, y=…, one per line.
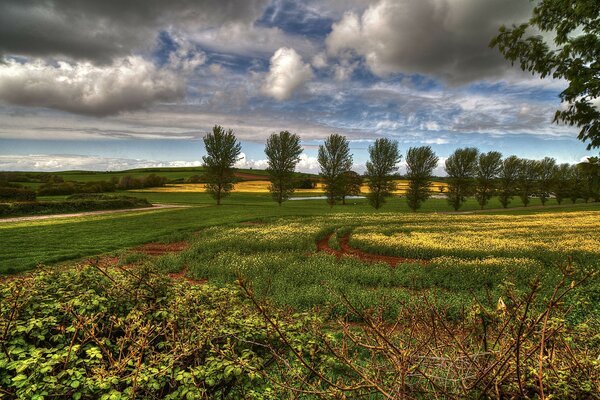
x=98, y=334
x=73, y=204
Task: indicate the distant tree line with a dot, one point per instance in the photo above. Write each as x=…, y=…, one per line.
x=470, y=173
x=483, y=175
x=55, y=185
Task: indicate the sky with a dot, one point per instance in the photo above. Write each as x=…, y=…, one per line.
x=112, y=85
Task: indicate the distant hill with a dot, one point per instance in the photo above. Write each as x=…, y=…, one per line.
x=171, y=173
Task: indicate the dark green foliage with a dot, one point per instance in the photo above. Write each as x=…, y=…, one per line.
x=195, y=179
x=507, y=179
x=304, y=183
x=461, y=168
x=128, y=182
x=489, y=166
x=60, y=188
x=561, y=182
x=8, y=193
x=283, y=154
x=93, y=334
x=547, y=172
x=76, y=203
x=577, y=184
x=383, y=159
x=571, y=54
x=222, y=152
x=590, y=169
x=527, y=180
x=335, y=160
x=352, y=184
x=420, y=163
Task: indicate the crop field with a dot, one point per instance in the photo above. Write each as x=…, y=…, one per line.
x=252, y=300
x=29, y=243
x=459, y=256
x=262, y=186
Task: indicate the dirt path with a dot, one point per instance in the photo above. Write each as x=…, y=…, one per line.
x=347, y=250
x=86, y=213
x=521, y=208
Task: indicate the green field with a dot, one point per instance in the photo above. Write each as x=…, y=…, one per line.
x=469, y=274
x=26, y=244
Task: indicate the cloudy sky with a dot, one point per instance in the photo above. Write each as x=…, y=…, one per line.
x=108, y=84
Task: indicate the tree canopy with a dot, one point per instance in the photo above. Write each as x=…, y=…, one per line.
x=283, y=154
x=335, y=161
x=420, y=163
x=573, y=54
x=383, y=159
x=222, y=152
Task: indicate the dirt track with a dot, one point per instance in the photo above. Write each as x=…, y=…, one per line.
x=86, y=213
x=346, y=250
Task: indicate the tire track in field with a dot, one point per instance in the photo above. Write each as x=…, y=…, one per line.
x=347, y=250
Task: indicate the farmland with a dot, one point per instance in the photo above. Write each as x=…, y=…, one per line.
x=303, y=292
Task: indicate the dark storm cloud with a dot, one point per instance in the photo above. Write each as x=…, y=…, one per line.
x=447, y=39
x=99, y=30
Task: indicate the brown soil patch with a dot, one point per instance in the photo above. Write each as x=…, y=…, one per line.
x=182, y=275
x=250, y=177
x=158, y=249
x=108, y=261
x=346, y=250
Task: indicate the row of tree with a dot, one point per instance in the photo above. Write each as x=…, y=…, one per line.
x=470, y=173
x=484, y=175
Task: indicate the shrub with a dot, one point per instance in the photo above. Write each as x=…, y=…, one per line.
x=96, y=334
x=16, y=194
x=76, y=203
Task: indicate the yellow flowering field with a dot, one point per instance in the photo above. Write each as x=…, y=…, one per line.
x=572, y=233
x=263, y=187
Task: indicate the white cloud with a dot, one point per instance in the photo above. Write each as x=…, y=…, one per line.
x=436, y=141
x=129, y=83
x=244, y=162
x=444, y=38
x=306, y=163
x=251, y=40
x=286, y=74
x=319, y=60
x=62, y=162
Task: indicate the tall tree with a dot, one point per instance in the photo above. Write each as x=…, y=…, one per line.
x=561, y=182
x=461, y=168
x=576, y=186
x=420, y=163
x=546, y=174
x=222, y=152
x=489, y=166
x=568, y=51
x=335, y=160
x=283, y=154
x=383, y=159
x=352, y=183
x=507, y=179
x=591, y=171
x=527, y=179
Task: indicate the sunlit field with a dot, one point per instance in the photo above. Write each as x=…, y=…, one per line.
x=262, y=186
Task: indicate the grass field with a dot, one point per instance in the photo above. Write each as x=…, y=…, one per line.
x=181, y=326
x=26, y=244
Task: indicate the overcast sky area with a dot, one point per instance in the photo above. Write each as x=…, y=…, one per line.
x=109, y=85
